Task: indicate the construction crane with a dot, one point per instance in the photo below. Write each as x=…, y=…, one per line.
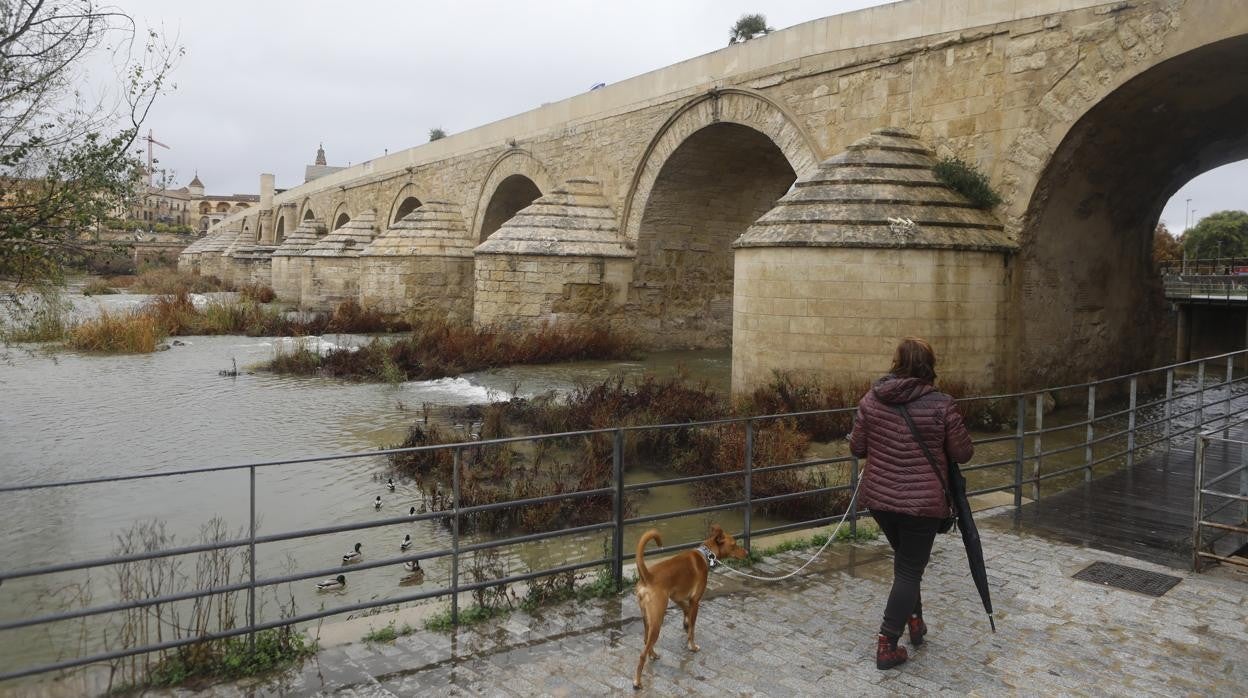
x=151, y=141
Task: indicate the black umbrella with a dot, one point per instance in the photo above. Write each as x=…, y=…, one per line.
x=970, y=538
x=956, y=492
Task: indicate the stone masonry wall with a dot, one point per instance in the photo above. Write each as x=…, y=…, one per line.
x=287, y=277
x=528, y=291
x=256, y=270
x=421, y=285
x=836, y=314
x=325, y=282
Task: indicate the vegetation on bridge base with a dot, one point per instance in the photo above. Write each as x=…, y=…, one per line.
x=505, y=472
x=964, y=178
x=47, y=317
x=436, y=349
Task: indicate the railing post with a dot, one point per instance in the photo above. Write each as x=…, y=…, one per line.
x=1197, y=503
x=1088, y=451
x=749, y=477
x=1039, y=448
x=1169, y=411
x=617, y=533
x=1230, y=374
x=1200, y=395
x=251, y=565
x=455, y=537
x=1131, y=423
x=853, y=497
x=1019, y=450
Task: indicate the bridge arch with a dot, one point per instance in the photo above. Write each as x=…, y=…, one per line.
x=1088, y=299
x=341, y=216
x=514, y=180
x=732, y=105
x=718, y=164
x=405, y=201
x=279, y=230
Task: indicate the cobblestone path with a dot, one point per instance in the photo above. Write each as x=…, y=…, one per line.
x=813, y=635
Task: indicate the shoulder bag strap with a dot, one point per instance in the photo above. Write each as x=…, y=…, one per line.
x=930, y=459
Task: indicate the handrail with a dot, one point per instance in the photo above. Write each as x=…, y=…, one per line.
x=1203, y=547
x=1100, y=430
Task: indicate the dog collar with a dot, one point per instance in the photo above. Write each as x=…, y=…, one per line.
x=706, y=552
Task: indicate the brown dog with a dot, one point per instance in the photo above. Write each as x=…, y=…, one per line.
x=681, y=579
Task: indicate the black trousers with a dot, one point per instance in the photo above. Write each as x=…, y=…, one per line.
x=911, y=538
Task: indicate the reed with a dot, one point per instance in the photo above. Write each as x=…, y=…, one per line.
x=440, y=349
x=164, y=281
x=133, y=332
x=257, y=293
x=41, y=317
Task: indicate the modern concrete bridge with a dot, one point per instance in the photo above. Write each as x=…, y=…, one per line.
x=666, y=203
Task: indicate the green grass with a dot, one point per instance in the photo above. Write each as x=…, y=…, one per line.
x=275, y=649
x=441, y=621
x=389, y=633
x=602, y=586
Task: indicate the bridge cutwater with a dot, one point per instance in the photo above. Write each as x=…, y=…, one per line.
x=778, y=196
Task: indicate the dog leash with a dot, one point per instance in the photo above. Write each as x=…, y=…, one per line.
x=853, y=504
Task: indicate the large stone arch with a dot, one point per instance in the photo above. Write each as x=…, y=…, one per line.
x=406, y=200
x=515, y=162
x=726, y=105
x=306, y=212
x=1092, y=171
x=718, y=164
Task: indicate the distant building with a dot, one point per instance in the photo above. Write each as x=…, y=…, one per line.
x=320, y=169
x=187, y=206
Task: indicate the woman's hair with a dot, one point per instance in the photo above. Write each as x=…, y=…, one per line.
x=914, y=358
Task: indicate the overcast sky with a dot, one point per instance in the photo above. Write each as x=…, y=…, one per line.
x=263, y=82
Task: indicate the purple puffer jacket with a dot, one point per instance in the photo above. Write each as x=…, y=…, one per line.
x=898, y=477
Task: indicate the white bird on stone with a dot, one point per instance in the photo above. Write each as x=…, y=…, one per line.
x=407, y=542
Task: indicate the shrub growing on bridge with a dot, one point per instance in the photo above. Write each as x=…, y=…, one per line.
x=968, y=181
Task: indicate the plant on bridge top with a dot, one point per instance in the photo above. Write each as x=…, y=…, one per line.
x=1218, y=235
x=967, y=180
x=436, y=134
x=748, y=27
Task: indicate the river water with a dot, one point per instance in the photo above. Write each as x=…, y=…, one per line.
x=72, y=416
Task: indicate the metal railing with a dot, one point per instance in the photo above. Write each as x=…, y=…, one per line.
x=1227, y=289
x=1220, y=495
x=1113, y=408
x=1212, y=266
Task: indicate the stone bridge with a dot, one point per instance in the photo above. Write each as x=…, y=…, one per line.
x=778, y=196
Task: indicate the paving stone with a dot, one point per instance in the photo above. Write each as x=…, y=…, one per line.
x=814, y=635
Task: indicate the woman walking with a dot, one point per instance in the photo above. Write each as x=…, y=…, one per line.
x=905, y=484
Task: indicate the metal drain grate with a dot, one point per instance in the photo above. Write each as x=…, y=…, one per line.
x=1129, y=578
